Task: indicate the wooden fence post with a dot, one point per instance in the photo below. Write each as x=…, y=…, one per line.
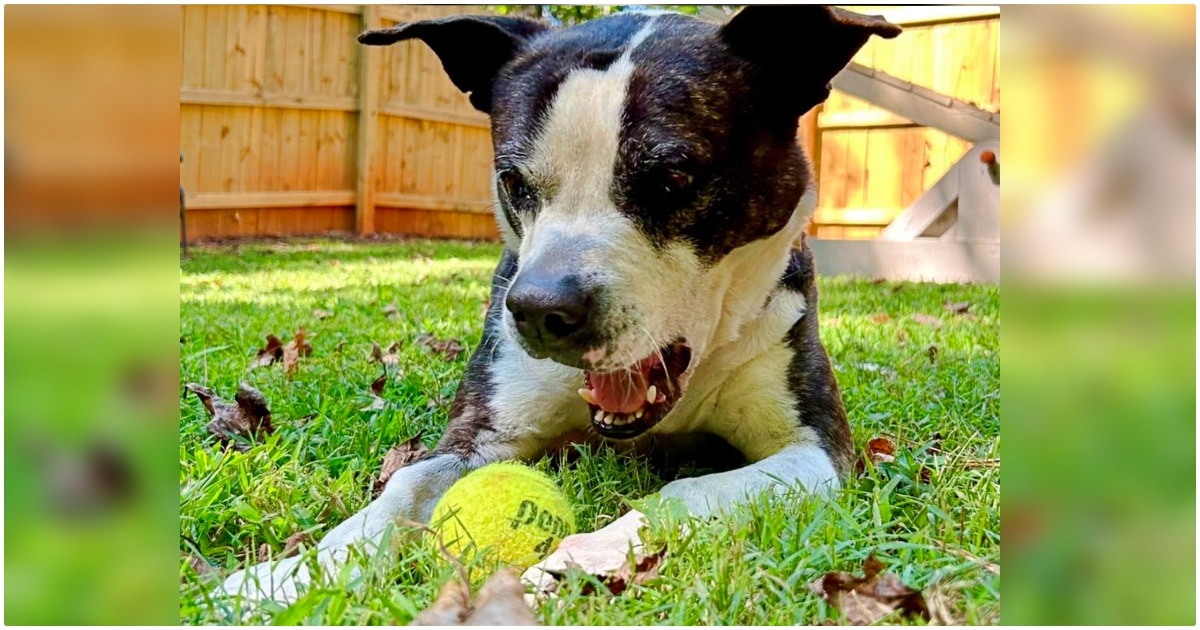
x=368, y=123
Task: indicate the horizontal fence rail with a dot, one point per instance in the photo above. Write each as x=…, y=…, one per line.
x=289, y=126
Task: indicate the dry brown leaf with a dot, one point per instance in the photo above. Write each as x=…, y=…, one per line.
x=881, y=450
x=389, y=358
x=927, y=320
x=398, y=457
x=932, y=351
x=604, y=554
x=501, y=602
x=378, y=384
x=276, y=352
x=377, y=387
x=320, y=313
x=646, y=569
x=292, y=545
x=295, y=349
x=448, y=348
x=391, y=311
x=249, y=417
x=881, y=318
x=271, y=353
x=867, y=600
x=958, y=308
x=200, y=566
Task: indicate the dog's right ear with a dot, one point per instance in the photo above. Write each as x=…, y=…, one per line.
x=800, y=48
x=472, y=48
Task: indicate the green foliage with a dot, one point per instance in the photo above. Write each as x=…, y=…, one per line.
x=931, y=515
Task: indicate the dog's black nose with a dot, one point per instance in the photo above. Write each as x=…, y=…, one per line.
x=550, y=310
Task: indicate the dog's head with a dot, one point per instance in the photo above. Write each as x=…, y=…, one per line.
x=647, y=177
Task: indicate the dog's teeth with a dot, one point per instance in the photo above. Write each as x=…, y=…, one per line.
x=651, y=394
x=623, y=420
x=586, y=395
x=600, y=415
x=638, y=414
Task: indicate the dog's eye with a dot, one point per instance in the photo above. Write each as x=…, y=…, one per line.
x=676, y=182
x=517, y=190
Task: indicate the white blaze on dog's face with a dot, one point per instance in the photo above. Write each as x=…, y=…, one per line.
x=579, y=225
x=648, y=178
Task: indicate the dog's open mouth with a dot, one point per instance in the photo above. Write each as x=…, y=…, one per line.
x=625, y=403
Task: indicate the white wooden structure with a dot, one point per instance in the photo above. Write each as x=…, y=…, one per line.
x=952, y=232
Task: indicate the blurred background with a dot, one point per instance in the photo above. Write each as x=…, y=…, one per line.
x=280, y=124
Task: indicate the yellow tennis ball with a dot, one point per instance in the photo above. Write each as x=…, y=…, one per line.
x=508, y=511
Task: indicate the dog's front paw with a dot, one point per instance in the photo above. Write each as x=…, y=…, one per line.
x=603, y=552
x=282, y=581
x=701, y=499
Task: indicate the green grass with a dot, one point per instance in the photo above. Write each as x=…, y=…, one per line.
x=931, y=516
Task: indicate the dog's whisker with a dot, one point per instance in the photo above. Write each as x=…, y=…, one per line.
x=657, y=352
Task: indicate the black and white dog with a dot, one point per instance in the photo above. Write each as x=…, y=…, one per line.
x=655, y=282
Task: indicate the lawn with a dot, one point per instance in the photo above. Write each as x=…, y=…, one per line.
x=911, y=370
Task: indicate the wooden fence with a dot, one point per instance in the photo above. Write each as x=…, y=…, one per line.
x=289, y=126
x=871, y=163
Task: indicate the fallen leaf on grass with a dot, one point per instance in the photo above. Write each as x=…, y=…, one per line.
x=377, y=387
x=390, y=358
x=295, y=349
x=605, y=554
x=291, y=547
x=932, y=351
x=276, y=352
x=868, y=599
x=391, y=311
x=398, y=457
x=881, y=318
x=271, y=353
x=200, y=566
x=927, y=320
x=958, y=308
x=501, y=602
x=321, y=314
x=881, y=450
x=448, y=348
x=249, y=417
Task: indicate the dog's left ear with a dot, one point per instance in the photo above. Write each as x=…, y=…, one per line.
x=800, y=48
x=473, y=48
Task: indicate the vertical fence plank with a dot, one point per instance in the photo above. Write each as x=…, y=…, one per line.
x=368, y=124
x=387, y=125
